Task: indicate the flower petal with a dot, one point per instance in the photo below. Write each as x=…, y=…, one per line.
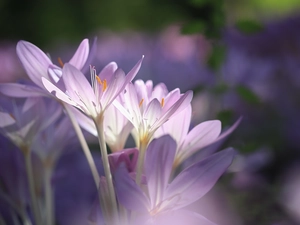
x=57, y=92
x=158, y=166
x=34, y=60
x=179, y=217
x=84, y=121
x=79, y=58
x=79, y=89
x=21, y=90
x=200, y=136
x=179, y=105
x=108, y=71
x=152, y=112
x=128, y=192
x=196, y=180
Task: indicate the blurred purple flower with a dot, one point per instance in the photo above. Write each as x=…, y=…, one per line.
x=164, y=198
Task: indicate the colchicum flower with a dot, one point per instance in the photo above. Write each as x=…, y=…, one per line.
x=190, y=142
x=37, y=65
x=161, y=201
x=147, y=108
x=92, y=99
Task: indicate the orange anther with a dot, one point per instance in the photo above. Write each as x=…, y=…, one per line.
x=162, y=103
x=104, y=85
x=141, y=102
x=60, y=62
x=99, y=80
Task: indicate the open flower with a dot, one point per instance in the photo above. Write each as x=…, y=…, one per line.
x=37, y=65
x=147, y=108
x=191, y=141
x=93, y=98
x=164, y=198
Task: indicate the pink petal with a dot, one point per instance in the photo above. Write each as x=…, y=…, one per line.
x=128, y=192
x=108, y=71
x=158, y=166
x=34, y=60
x=79, y=58
x=21, y=90
x=51, y=88
x=195, y=181
x=132, y=73
x=79, y=88
x=152, y=112
x=84, y=121
x=181, y=104
x=200, y=136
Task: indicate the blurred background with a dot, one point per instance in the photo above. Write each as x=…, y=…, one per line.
x=241, y=58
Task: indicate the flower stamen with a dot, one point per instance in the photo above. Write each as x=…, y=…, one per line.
x=99, y=80
x=162, y=103
x=141, y=102
x=104, y=86
x=60, y=62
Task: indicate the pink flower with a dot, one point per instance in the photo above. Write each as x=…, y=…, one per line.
x=161, y=198
x=38, y=65
x=147, y=108
x=92, y=99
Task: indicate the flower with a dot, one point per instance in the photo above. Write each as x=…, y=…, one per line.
x=92, y=99
x=37, y=65
x=116, y=126
x=22, y=123
x=190, y=142
x=164, y=198
x=147, y=108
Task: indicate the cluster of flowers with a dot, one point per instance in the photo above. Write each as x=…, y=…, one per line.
x=142, y=185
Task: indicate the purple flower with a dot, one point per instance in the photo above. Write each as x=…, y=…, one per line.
x=164, y=197
x=147, y=108
x=93, y=98
x=37, y=66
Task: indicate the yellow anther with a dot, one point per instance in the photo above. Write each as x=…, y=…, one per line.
x=141, y=102
x=104, y=86
x=162, y=103
x=60, y=62
x=99, y=80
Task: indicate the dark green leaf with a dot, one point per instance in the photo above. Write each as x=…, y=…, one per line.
x=226, y=117
x=247, y=94
x=217, y=57
x=194, y=27
x=249, y=26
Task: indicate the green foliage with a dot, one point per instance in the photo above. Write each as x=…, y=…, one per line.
x=247, y=94
x=194, y=27
x=217, y=57
x=226, y=117
x=249, y=26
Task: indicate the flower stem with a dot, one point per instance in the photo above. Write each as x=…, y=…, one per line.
x=34, y=201
x=48, y=195
x=84, y=146
x=140, y=162
x=99, y=123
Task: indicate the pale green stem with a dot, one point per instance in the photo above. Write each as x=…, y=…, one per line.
x=140, y=162
x=84, y=146
x=34, y=201
x=20, y=211
x=48, y=195
x=99, y=123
